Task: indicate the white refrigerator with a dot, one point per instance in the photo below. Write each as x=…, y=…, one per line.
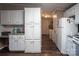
x=66, y=26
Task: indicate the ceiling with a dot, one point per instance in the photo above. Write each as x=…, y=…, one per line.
x=44, y=6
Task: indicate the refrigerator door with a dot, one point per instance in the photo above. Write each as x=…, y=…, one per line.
x=66, y=27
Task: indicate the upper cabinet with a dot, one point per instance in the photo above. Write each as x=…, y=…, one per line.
x=74, y=10
x=77, y=14
x=11, y=17
x=70, y=12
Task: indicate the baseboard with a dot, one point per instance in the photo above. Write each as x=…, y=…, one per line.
x=17, y=51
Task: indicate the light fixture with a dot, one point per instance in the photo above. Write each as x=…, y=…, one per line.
x=46, y=15
x=54, y=16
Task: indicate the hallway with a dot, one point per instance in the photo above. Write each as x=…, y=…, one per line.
x=48, y=49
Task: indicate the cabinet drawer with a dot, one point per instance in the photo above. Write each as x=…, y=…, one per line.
x=29, y=46
x=32, y=46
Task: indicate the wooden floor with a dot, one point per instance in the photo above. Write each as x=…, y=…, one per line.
x=48, y=49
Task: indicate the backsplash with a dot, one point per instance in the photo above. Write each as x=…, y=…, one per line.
x=11, y=29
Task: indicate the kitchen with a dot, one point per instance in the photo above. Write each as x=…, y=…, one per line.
x=18, y=34
x=15, y=31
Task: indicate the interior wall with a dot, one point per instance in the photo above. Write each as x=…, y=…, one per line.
x=45, y=25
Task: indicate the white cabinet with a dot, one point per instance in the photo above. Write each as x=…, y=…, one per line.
x=32, y=30
x=70, y=47
x=70, y=12
x=11, y=17
x=11, y=43
x=74, y=10
x=32, y=23
x=77, y=14
x=32, y=16
x=5, y=17
x=16, y=42
x=32, y=46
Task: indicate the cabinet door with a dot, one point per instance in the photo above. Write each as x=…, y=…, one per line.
x=12, y=17
x=19, y=16
x=70, y=12
x=32, y=15
x=21, y=43
x=37, y=46
x=70, y=48
x=16, y=17
x=77, y=14
x=33, y=46
x=29, y=46
x=29, y=16
x=15, y=43
x=29, y=32
x=11, y=43
x=73, y=49
x=36, y=15
x=37, y=32
x=5, y=17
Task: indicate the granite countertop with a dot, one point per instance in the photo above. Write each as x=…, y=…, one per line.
x=74, y=39
x=4, y=36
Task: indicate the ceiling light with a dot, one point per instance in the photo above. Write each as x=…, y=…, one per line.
x=55, y=16
x=46, y=16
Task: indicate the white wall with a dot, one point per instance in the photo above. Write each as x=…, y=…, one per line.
x=45, y=24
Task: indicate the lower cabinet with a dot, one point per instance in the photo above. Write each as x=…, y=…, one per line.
x=70, y=47
x=32, y=46
x=16, y=42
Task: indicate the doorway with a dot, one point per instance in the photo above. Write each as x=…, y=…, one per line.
x=48, y=46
